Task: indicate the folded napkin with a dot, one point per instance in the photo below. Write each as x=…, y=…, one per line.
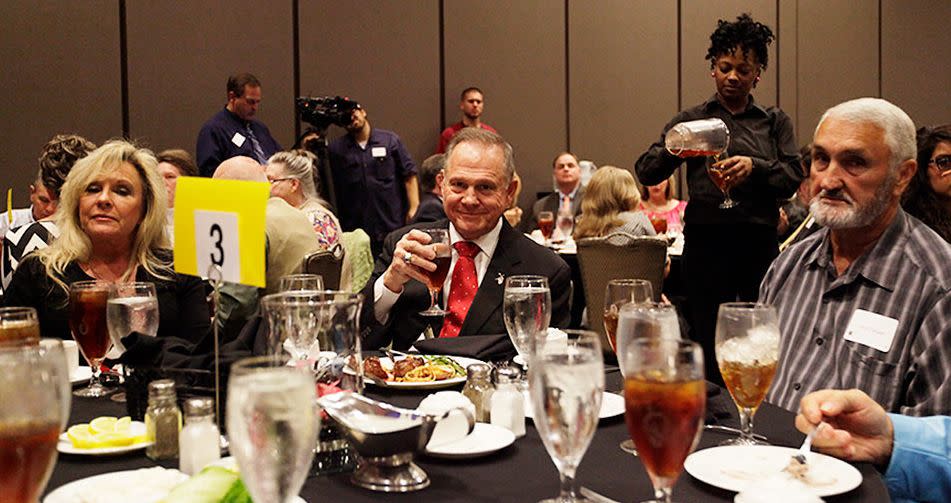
x=482, y=347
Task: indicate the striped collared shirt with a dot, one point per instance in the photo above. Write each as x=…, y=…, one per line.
x=905, y=276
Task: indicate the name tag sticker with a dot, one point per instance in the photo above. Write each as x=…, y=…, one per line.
x=238, y=139
x=378, y=151
x=871, y=329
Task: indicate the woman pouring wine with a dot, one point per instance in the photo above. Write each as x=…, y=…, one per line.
x=728, y=249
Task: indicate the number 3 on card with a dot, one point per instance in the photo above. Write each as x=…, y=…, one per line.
x=216, y=242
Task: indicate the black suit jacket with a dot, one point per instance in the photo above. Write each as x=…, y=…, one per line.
x=550, y=203
x=430, y=209
x=515, y=254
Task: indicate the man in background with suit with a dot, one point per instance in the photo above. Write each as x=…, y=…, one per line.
x=430, y=190
x=477, y=187
x=567, y=199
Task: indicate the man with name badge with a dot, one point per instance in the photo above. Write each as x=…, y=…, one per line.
x=864, y=303
x=477, y=187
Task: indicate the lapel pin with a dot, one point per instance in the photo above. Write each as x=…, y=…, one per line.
x=500, y=278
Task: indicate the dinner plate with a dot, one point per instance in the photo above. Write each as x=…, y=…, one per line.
x=445, y=383
x=66, y=447
x=145, y=485
x=483, y=440
x=733, y=467
x=612, y=405
x=80, y=375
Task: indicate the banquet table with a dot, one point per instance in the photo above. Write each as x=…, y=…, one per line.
x=520, y=472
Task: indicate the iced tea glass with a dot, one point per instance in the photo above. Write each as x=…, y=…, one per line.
x=19, y=326
x=88, y=323
x=440, y=243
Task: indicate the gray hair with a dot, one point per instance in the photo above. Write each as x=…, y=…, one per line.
x=897, y=126
x=485, y=138
x=298, y=164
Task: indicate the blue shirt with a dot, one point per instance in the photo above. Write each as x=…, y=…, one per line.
x=920, y=468
x=225, y=136
x=369, y=182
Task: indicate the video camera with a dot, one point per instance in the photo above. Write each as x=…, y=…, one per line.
x=324, y=111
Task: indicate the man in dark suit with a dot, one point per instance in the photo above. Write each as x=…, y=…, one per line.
x=477, y=188
x=430, y=190
x=567, y=199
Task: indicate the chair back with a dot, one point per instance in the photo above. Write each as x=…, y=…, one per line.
x=617, y=256
x=327, y=263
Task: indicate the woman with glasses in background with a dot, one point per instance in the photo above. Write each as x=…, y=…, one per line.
x=928, y=197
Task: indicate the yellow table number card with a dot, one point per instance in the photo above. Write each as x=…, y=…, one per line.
x=221, y=222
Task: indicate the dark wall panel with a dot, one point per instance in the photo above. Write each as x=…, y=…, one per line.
x=698, y=20
x=622, y=77
x=916, y=48
x=838, y=57
x=515, y=52
x=384, y=55
x=61, y=74
x=180, y=57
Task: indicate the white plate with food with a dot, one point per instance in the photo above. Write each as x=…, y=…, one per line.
x=417, y=371
x=483, y=440
x=80, y=375
x=136, y=429
x=612, y=405
x=733, y=467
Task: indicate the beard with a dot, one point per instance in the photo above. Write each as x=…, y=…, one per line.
x=854, y=215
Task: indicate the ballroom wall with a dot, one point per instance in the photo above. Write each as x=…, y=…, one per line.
x=598, y=77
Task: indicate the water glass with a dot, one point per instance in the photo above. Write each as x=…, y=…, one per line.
x=566, y=384
x=273, y=423
x=298, y=282
x=618, y=293
x=526, y=310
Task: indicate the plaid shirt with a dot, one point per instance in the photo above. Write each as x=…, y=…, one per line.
x=906, y=276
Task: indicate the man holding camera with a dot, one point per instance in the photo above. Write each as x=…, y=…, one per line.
x=233, y=131
x=375, y=179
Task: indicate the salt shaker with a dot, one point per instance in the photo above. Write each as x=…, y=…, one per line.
x=198, y=444
x=163, y=420
x=508, y=404
x=478, y=389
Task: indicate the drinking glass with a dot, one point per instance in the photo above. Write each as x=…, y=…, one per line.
x=546, y=224
x=664, y=399
x=132, y=307
x=644, y=319
x=34, y=391
x=323, y=327
x=699, y=138
x=19, y=326
x=566, y=383
x=719, y=179
x=747, y=346
x=617, y=293
x=435, y=280
x=298, y=282
x=565, y=224
x=88, y=324
x=272, y=425
x=526, y=310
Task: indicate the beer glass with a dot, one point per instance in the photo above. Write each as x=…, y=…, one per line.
x=89, y=326
x=747, y=346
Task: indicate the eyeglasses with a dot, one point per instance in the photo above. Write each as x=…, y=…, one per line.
x=272, y=181
x=943, y=162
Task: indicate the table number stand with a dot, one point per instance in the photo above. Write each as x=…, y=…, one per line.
x=214, y=278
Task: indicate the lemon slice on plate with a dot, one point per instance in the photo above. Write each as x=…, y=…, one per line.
x=105, y=431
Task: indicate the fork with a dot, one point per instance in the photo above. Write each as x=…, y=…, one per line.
x=806, y=447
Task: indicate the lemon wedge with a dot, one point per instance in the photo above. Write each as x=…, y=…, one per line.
x=105, y=431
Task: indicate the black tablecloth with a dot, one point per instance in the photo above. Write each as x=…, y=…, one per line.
x=521, y=472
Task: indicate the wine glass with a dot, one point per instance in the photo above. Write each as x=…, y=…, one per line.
x=565, y=224
x=747, y=345
x=132, y=307
x=546, y=224
x=34, y=391
x=526, y=310
x=704, y=137
x=87, y=322
x=664, y=400
x=301, y=282
x=719, y=179
x=19, y=326
x=439, y=240
x=566, y=384
x=272, y=423
x=617, y=293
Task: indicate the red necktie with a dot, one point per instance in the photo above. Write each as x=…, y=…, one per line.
x=566, y=206
x=462, y=288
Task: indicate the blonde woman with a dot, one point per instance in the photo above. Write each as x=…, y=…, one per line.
x=111, y=218
x=292, y=179
x=610, y=204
